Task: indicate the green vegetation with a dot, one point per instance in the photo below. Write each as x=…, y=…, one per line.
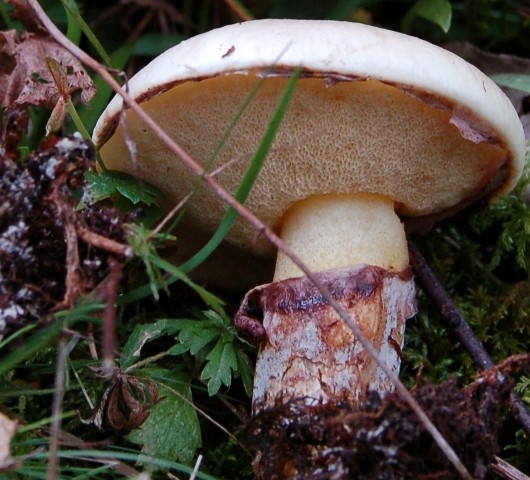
x=178, y=385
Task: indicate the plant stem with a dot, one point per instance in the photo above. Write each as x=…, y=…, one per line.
x=455, y=321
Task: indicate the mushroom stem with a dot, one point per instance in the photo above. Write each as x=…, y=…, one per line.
x=358, y=245
x=335, y=231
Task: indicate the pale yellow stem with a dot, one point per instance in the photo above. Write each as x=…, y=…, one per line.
x=335, y=231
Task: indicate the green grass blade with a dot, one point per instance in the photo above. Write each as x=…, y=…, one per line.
x=242, y=192
x=73, y=31
x=32, y=345
x=248, y=180
x=220, y=145
x=79, y=125
x=73, y=12
x=18, y=333
x=47, y=335
x=90, y=113
x=124, y=456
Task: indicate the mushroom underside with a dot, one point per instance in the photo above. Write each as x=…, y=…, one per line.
x=347, y=136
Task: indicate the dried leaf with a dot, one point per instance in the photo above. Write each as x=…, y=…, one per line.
x=130, y=402
x=25, y=76
x=7, y=432
x=56, y=120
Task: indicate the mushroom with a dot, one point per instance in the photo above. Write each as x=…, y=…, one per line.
x=384, y=133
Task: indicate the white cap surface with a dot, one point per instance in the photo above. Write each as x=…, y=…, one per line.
x=375, y=111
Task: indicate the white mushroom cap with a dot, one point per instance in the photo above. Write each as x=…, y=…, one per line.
x=376, y=111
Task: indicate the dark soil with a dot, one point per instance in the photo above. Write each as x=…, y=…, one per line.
x=50, y=251
x=383, y=439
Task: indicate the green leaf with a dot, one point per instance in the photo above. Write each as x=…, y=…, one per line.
x=343, y=9
x=221, y=362
x=245, y=370
x=172, y=430
x=213, y=341
x=438, y=12
x=518, y=81
x=103, y=185
x=194, y=336
x=140, y=336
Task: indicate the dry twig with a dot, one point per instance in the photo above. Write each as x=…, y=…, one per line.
x=455, y=321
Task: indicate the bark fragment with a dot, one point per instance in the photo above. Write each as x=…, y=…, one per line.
x=307, y=352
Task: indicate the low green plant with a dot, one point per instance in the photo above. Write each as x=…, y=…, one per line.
x=171, y=365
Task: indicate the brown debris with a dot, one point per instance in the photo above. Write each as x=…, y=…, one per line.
x=383, y=439
x=130, y=401
x=25, y=76
x=46, y=258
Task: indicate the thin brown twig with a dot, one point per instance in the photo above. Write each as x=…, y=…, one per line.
x=103, y=243
x=454, y=320
x=72, y=280
x=240, y=414
x=507, y=471
x=227, y=197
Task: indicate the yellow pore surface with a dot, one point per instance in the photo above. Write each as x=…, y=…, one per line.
x=340, y=138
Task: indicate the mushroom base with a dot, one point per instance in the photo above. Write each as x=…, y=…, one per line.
x=308, y=352
x=382, y=438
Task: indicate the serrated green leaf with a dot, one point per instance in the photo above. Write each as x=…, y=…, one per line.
x=221, y=321
x=172, y=430
x=245, y=370
x=105, y=184
x=438, y=12
x=194, y=336
x=140, y=336
x=221, y=362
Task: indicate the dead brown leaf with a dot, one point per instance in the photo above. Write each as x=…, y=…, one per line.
x=26, y=78
x=7, y=432
x=130, y=401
